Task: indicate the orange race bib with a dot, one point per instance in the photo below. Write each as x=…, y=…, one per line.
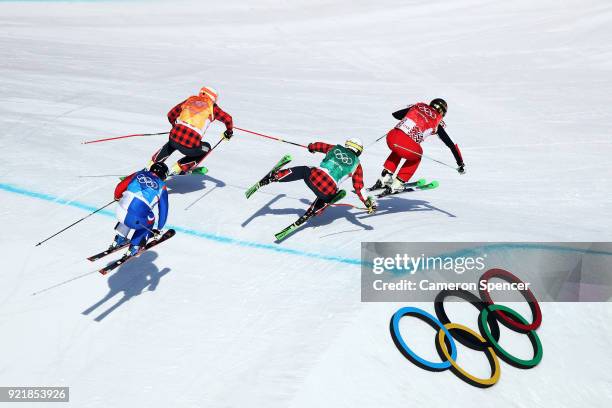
x=197, y=113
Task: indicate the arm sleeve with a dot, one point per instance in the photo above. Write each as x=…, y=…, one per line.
x=320, y=147
x=223, y=116
x=163, y=208
x=449, y=143
x=122, y=186
x=358, y=182
x=399, y=115
x=175, y=112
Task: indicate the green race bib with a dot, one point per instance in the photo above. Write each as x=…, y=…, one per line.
x=340, y=162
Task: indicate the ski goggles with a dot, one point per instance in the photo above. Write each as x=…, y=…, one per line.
x=487, y=341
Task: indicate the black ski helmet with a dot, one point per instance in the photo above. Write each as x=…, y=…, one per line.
x=160, y=170
x=440, y=105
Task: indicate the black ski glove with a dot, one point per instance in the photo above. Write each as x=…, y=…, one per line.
x=461, y=168
x=227, y=135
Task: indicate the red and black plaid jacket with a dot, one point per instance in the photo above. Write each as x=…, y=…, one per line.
x=324, y=182
x=188, y=137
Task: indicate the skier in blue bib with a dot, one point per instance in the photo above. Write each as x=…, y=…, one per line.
x=138, y=194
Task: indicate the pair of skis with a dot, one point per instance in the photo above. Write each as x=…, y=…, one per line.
x=302, y=220
x=115, y=264
x=418, y=185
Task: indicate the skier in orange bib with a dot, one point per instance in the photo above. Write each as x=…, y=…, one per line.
x=189, y=120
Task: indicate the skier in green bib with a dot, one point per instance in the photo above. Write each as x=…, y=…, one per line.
x=339, y=163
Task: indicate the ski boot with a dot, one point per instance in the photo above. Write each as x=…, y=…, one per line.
x=395, y=186
x=176, y=170
x=268, y=178
x=119, y=241
x=383, y=181
x=133, y=250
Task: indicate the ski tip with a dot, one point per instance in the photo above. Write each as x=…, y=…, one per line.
x=434, y=184
x=339, y=196
x=283, y=234
x=200, y=170
x=421, y=182
x=280, y=238
x=250, y=191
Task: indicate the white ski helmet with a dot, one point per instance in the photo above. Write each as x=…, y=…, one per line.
x=354, y=144
x=210, y=92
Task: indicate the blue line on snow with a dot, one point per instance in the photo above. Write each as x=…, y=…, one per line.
x=275, y=248
x=188, y=231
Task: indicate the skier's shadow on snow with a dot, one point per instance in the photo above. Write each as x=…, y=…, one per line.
x=391, y=205
x=131, y=279
x=191, y=183
x=327, y=217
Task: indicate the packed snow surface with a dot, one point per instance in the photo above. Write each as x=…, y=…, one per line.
x=221, y=315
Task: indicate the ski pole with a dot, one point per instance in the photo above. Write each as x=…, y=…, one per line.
x=376, y=141
x=211, y=150
x=75, y=223
x=425, y=156
x=349, y=205
x=123, y=137
x=271, y=137
x=215, y=146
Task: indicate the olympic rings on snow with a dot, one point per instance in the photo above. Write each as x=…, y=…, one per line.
x=538, y=351
x=460, y=372
x=465, y=339
x=512, y=323
x=406, y=351
x=487, y=341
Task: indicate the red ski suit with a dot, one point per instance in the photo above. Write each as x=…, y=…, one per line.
x=419, y=122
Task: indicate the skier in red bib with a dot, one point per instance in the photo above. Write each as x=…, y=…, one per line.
x=189, y=120
x=417, y=122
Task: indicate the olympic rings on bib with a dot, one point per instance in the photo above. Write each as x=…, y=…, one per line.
x=538, y=351
x=343, y=157
x=512, y=323
x=460, y=372
x=406, y=351
x=487, y=341
x=148, y=181
x=465, y=339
